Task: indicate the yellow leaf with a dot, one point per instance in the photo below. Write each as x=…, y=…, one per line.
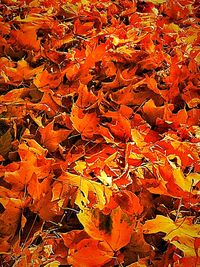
x=110, y=161
x=140, y=263
x=172, y=27
x=181, y=233
x=32, y=18
x=80, y=166
x=181, y=181
x=156, y=2
x=53, y=264
x=138, y=138
x=106, y=180
x=190, y=39
x=194, y=178
x=85, y=186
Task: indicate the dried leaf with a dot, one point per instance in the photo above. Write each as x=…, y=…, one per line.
x=5, y=143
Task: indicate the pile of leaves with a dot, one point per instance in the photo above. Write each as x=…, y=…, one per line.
x=99, y=133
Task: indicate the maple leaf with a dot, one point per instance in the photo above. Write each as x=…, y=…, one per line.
x=120, y=125
x=19, y=174
x=99, y=131
x=5, y=143
x=115, y=229
x=102, y=193
x=181, y=233
x=40, y=192
x=15, y=75
x=44, y=79
x=128, y=202
x=102, y=253
x=12, y=212
x=50, y=138
x=26, y=37
x=80, y=245
x=85, y=123
x=136, y=246
x=151, y=112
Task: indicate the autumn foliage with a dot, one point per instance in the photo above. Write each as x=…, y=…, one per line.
x=99, y=133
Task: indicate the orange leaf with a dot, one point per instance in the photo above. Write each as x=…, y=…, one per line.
x=115, y=228
x=90, y=253
x=128, y=202
x=85, y=123
x=50, y=138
